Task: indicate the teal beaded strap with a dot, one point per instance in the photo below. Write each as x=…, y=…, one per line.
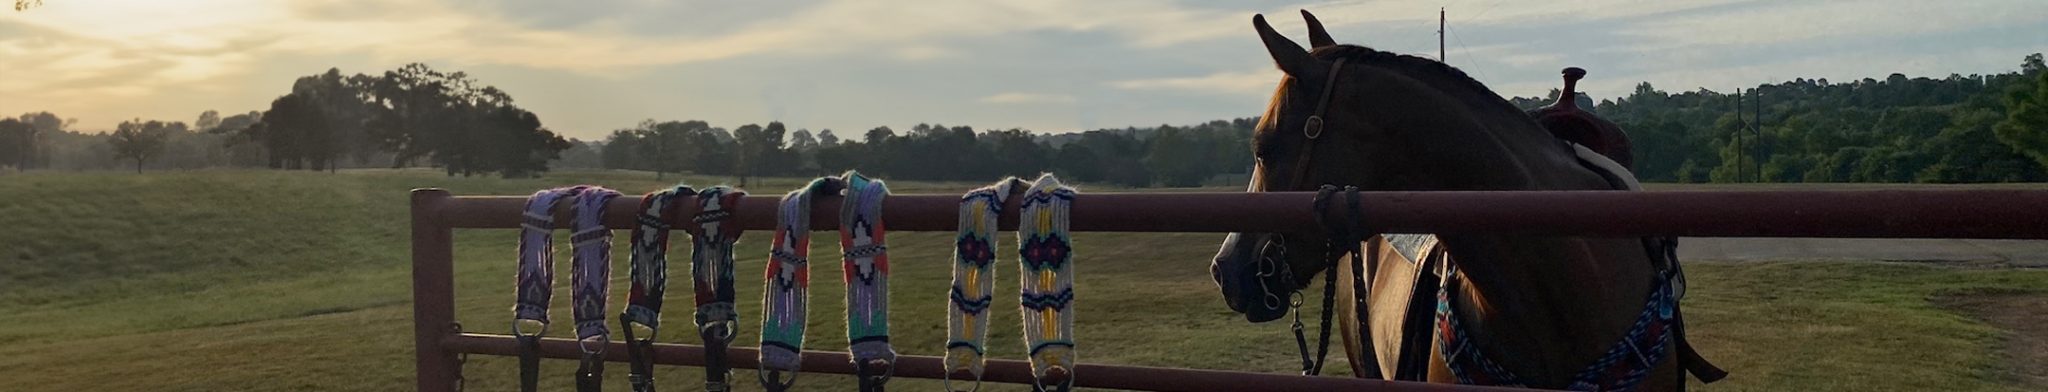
x=1047, y=277
x=785, y=301
x=974, y=280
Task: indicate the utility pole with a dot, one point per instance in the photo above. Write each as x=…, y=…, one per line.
x=1757, y=130
x=1440, y=36
x=1743, y=125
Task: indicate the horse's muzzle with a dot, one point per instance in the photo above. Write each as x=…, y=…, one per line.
x=1251, y=270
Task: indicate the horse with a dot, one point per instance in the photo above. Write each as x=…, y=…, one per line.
x=1536, y=311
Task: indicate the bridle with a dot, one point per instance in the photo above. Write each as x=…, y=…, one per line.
x=1273, y=257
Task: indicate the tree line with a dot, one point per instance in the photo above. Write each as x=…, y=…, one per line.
x=1163, y=155
x=410, y=116
x=1975, y=128
x=1956, y=129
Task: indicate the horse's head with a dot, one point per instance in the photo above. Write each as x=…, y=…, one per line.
x=1351, y=115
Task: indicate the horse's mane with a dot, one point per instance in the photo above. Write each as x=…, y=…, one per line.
x=1424, y=69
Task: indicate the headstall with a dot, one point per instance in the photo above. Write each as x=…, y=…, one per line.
x=1046, y=274
x=785, y=302
x=713, y=233
x=650, y=281
x=973, y=288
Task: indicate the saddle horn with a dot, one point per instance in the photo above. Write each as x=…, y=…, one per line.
x=1317, y=36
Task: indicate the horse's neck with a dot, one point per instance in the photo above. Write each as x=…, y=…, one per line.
x=1554, y=302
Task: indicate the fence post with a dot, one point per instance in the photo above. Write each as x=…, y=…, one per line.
x=433, y=291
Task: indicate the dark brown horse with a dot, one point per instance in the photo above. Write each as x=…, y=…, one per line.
x=1544, y=309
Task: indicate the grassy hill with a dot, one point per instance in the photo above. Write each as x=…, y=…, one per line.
x=259, y=280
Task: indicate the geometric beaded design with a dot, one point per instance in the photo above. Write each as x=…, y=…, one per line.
x=865, y=268
x=650, y=255
x=590, y=271
x=1621, y=368
x=713, y=234
x=534, y=279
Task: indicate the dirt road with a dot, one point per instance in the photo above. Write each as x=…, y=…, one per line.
x=2030, y=254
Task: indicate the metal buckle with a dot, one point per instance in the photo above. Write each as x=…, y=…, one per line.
x=1314, y=128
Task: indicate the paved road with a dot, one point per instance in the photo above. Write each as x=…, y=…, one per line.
x=2033, y=254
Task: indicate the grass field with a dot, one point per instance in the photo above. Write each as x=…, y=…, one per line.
x=257, y=280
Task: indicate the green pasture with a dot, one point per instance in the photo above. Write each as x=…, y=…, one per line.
x=263, y=280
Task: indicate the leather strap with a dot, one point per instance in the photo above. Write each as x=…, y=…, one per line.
x=1313, y=129
x=713, y=235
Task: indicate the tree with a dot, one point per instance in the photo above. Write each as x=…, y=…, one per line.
x=296, y=133
x=2026, y=121
x=139, y=140
x=802, y=140
x=826, y=137
x=17, y=141
x=208, y=120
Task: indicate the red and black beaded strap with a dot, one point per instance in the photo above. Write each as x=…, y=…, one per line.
x=714, y=233
x=650, y=280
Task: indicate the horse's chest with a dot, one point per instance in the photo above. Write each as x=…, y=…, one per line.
x=1401, y=302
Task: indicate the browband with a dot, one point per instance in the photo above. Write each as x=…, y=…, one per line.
x=650, y=281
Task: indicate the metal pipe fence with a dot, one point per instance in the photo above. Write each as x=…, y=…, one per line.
x=1990, y=214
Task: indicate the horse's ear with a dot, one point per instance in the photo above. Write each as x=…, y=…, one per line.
x=1317, y=36
x=1286, y=54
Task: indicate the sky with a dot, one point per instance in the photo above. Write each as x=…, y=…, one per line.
x=591, y=66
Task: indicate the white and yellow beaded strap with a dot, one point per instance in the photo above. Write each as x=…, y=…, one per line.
x=1046, y=272
x=974, y=277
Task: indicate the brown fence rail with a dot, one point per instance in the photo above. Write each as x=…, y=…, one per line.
x=2001, y=214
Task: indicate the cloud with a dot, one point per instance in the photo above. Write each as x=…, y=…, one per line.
x=1252, y=82
x=1774, y=23
x=1027, y=98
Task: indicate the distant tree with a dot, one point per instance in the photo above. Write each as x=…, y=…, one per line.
x=296, y=133
x=582, y=154
x=802, y=140
x=878, y=135
x=139, y=140
x=826, y=137
x=208, y=120
x=25, y=4
x=242, y=149
x=17, y=143
x=2026, y=120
